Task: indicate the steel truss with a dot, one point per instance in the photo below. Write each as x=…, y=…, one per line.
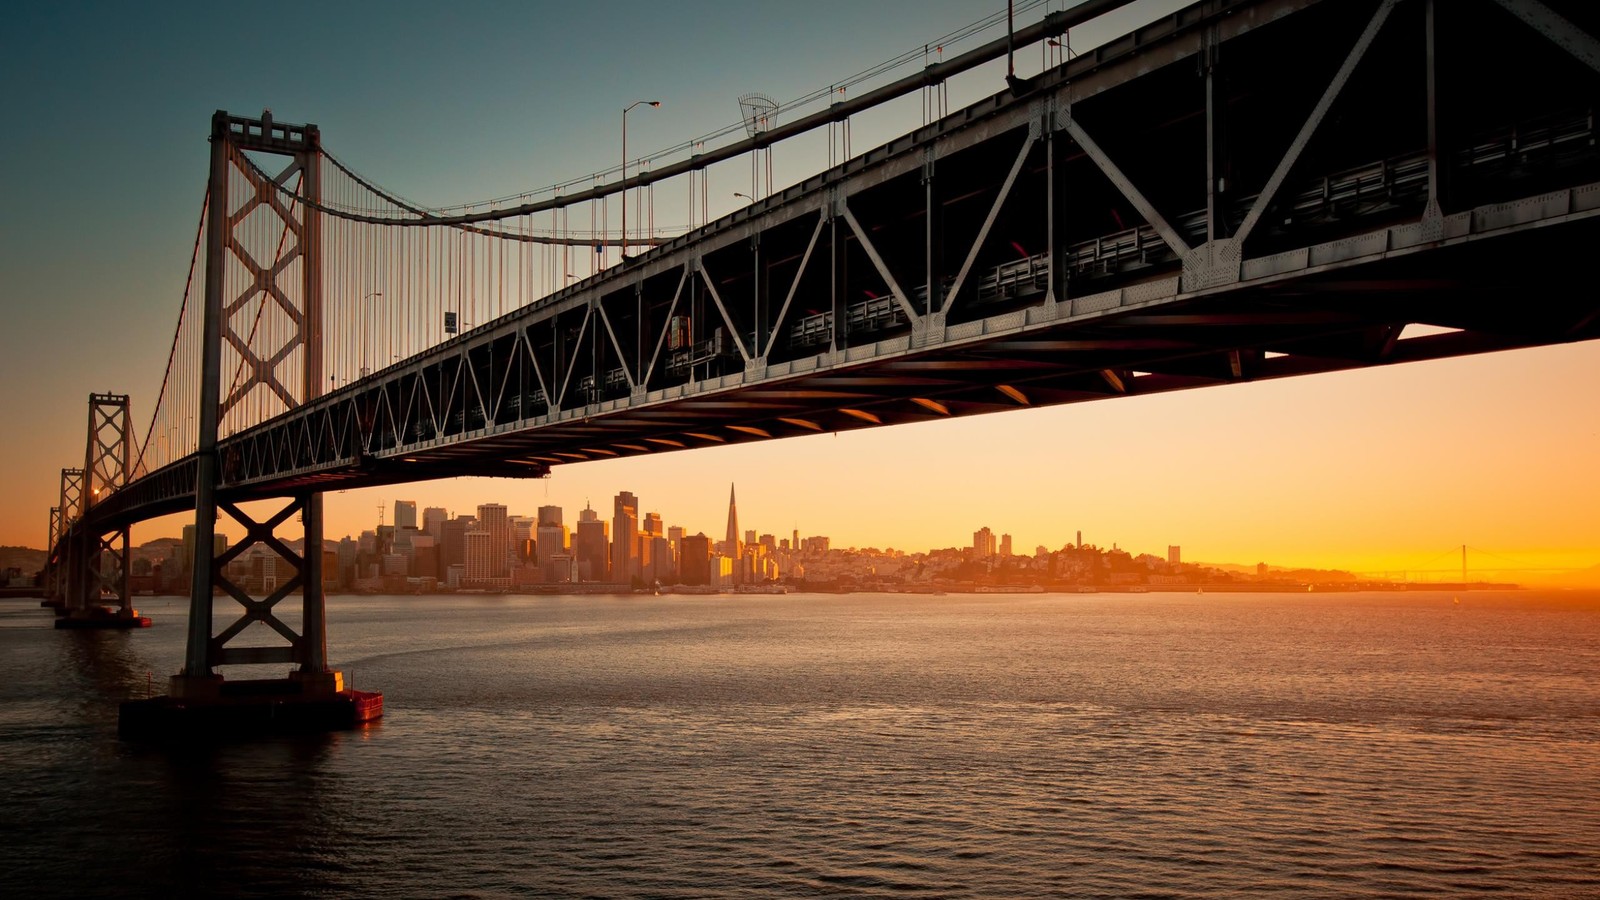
x=63, y=562
x=103, y=575
x=307, y=572
x=1246, y=189
x=226, y=248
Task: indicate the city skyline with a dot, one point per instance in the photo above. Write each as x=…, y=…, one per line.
x=1442, y=565
x=1365, y=470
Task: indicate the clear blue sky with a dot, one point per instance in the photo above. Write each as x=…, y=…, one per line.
x=104, y=156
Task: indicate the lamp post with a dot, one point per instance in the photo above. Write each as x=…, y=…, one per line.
x=744, y=195
x=363, y=308
x=623, y=255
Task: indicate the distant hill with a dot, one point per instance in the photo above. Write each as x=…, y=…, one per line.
x=1285, y=574
x=1573, y=578
x=27, y=559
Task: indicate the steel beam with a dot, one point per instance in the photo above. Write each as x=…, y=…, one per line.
x=1569, y=37
x=1313, y=121
x=1125, y=186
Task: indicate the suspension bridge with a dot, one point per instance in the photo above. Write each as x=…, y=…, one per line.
x=1242, y=190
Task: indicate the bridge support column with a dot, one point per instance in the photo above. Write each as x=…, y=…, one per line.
x=102, y=595
x=311, y=696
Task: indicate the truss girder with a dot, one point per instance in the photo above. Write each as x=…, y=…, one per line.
x=1022, y=301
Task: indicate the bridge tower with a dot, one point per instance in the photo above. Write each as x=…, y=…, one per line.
x=98, y=574
x=245, y=277
x=50, y=574
x=61, y=564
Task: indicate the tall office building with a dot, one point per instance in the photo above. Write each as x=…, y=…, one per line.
x=453, y=548
x=731, y=548
x=405, y=514
x=591, y=547
x=660, y=565
x=550, y=542
x=651, y=525
x=625, y=538
x=1005, y=545
x=983, y=543
x=1174, y=554
x=549, y=515
x=694, y=562
x=433, y=519
x=424, y=556
x=522, y=537
x=492, y=520
x=486, y=559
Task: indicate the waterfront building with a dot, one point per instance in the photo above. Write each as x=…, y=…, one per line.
x=730, y=547
x=493, y=521
x=486, y=560
x=661, y=563
x=625, y=562
x=424, y=556
x=453, y=549
x=983, y=546
x=592, y=546
x=522, y=536
x=433, y=519
x=694, y=560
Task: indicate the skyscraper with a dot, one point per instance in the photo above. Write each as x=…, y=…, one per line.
x=522, y=538
x=694, y=564
x=453, y=548
x=483, y=553
x=625, y=538
x=731, y=549
x=405, y=514
x=492, y=520
x=550, y=541
x=592, y=547
x=433, y=519
x=983, y=543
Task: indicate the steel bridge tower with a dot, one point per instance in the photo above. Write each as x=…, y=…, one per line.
x=290, y=283
x=101, y=575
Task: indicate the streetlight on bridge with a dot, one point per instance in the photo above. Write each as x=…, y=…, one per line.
x=362, y=308
x=622, y=257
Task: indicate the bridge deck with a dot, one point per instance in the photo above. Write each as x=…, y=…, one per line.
x=1099, y=232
